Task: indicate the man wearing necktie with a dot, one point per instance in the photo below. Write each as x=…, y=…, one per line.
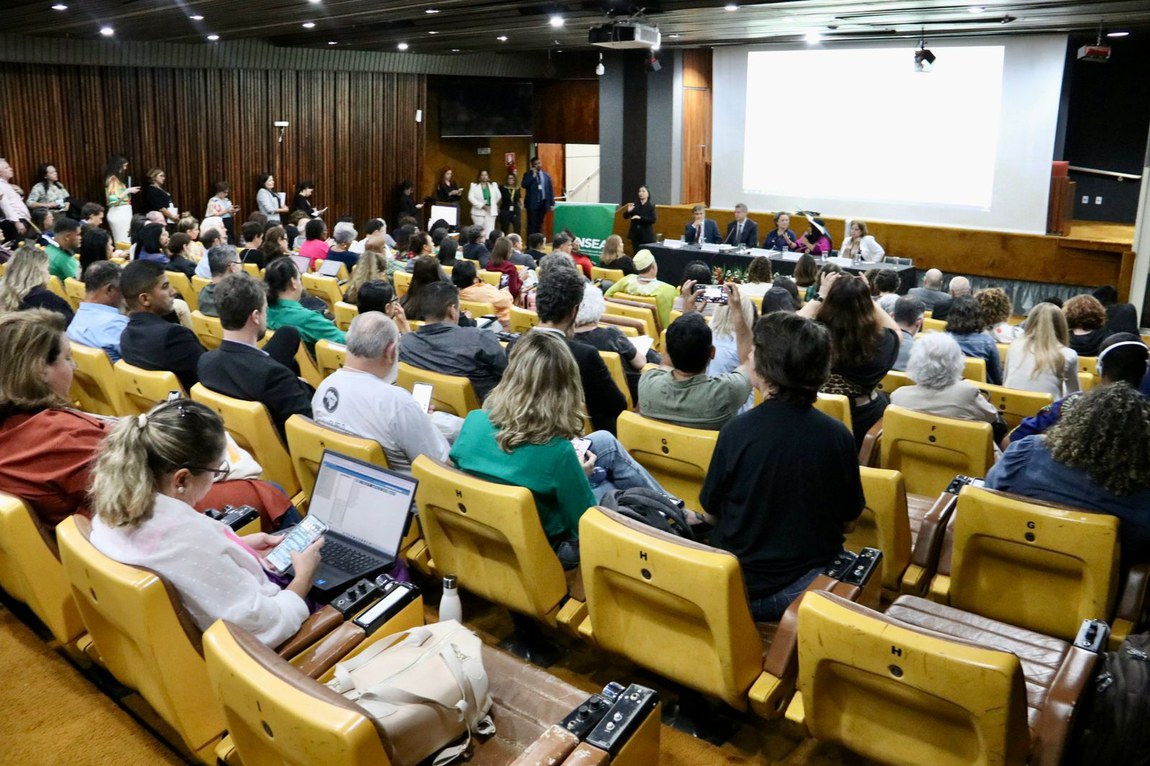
x=742, y=231
x=701, y=229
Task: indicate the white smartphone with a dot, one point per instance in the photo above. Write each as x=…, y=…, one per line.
x=298, y=538
x=581, y=446
x=422, y=393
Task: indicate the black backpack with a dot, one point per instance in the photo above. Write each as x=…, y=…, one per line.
x=1114, y=718
x=650, y=507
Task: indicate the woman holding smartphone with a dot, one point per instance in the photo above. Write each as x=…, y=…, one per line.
x=152, y=470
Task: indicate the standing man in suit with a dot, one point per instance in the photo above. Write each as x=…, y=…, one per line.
x=150, y=341
x=239, y=368
x=701, y=229
x=742, y=231
x=539, y=196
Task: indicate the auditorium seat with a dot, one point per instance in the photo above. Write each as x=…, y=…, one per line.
x=477, y=308
x=208, y=329
x=930, y=450
x=1089, y=366
x=974, y=369
x=927, y=684
x=57, y=287
x=255, y=271
x=1014, y=405
x=603, y=273
x=94, y=384
x=1086, y=381
x=182, y=285
x=676, y=456
x=635, y=310
x=835, y=405
x=884, y=524
x=490, y=277
x=76, y=292
x=401, y=280
x=324, y=288
x=489, y=536
x=632, y=328
x=344, y=312
x=308, y=370
x=144, y=389
x=523, y=320
x=329, y=356
x=199, y=283
x=1003, y=350
x=615, y=366
x=451, y=394
x=251, y=426
x=341, y=273
x=933, y=325
x=893, y=381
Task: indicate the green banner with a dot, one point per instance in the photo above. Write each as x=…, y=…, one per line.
x=592, y=223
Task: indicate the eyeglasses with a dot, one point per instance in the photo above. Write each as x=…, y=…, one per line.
x=219, y=473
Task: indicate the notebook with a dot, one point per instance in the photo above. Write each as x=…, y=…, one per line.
x=367, y=510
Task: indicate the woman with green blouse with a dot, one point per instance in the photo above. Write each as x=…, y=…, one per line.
x=284, y=292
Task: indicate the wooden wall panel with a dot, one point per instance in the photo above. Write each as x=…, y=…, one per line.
x=567, y=112
x=353, y=133
x=696, y=179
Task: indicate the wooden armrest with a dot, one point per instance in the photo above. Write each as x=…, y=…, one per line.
x=869, y=451
x=321, y=657
x=313, y=629
x=782, y=656
x=553, y=746
x=1133, y=598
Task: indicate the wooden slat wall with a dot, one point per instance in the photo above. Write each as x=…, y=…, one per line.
x=353, y=133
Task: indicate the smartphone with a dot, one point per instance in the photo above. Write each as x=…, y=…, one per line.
x=298, y=538
x=581, y=447
x=715, y=294
x=422, y=393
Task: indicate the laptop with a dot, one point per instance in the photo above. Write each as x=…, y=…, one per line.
x=367, y=510
x=330, y=268
x=302, y=262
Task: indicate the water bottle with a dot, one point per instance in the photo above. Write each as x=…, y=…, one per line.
x=449, y=606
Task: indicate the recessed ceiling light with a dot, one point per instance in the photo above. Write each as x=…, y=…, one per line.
x=309, y=25
x=813, y=38
x=403, y=46
x=455, y=50
x=1117, y=34
x=976, y=9
x=432, y=32
x=675, y=36
x=107, y=31
x=332, y=42
x=556, y=21
x=730, y=7
x=431, y=10
x=59, y=7
x=315, y=2
x=213, y=38
x=502, y=38
x=196, y=17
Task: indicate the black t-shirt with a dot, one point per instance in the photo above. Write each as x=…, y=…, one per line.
x=1090, y=343
x=251, y=255
x=868, y=373
x=782, y=482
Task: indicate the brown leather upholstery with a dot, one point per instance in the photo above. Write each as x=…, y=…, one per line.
x=620, y=321
x=321, y=657
x=314, y=628
x=917, y=507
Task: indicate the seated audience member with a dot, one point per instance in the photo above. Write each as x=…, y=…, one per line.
x=781, y=237
x=861, y=245
x=448, y=253
x=98, y=322
x=370, y=267
x=314, y=246
x=567, y=243
x=1086, y=321
x=685, y=394
x=473, y=247
x=908, y=313
x=95, y=245
x=153, y=244
x=806, y=276
x=559, y=296
x=239, y=368
x=194, y=250
x=275, y=244
x=959, y=287
x=1097, y=457
x=518, y=257
x=930, y=293
x=886, y=285
x=66, y=241
x=343, y=236
x=501, y=261
x=522, y=437
x=420, y=246
x=472, y=288
x=535, y=244
x=1041, y=360
x=178, y=260
x=359, y=398
x=295, y=229
x=936, y=366
x=223, y=260
x=253, y=234
x=379, y=295
x=587, y=330
x=696, y=277
x=701, y=229
x=43, y=220
x=48, y=446
x=784, y=525
x=209, y=238
x=645, y=282
x=964, y=324
x=781, y=297
x=864, y=346
x=371, y=227
x=285, y=310
x=425, y=272
x=442, y=346
x=1120, y=317
x=996, y=310
x=150, y=341
x=25, y=284
x=725, y=331
x=1123, y=359
x=150, y=474
x=92, y=215
x=742, y=231
x=760, y=278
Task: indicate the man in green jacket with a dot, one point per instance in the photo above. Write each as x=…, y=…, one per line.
x=61, y=264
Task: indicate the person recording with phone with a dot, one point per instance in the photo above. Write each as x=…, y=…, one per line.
x=153, y=468
x=782, y=238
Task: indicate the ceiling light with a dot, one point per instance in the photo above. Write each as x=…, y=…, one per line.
x=432, y=32
x=556, y=21
x=1117, y=34
x=403, y=46
x=976, y=9
x=315, y=2
x=332, y=42
x=432, y=10
x=923, y=60
x=502, y=38
x=107, y=31
x=213, y=38
x=309, y=25
x=730, y=7
x=455, y=50
x=813, y=38
x=675, y=36
x=59, y=7
x=600, y=70
x=196, y=17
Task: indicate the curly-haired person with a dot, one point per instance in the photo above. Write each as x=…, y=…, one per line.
x=1096, y=458
x=996, y=309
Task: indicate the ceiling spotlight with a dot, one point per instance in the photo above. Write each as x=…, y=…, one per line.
x=1117, y=34
x=600, y=69
x=432, y=32
x=107, y=31
x=502, y=38
x=315, y=2
x=332, y=42
x=403, y=46
x=196, y=17
x=455, y=50
x=432, y=10
x=731, y=7
x=675, y=36
x=59, y=7
x=556, y=21
x=923, y=60
x=976, y=9
x=308, y=25
x=213, y=38
x=813, y=38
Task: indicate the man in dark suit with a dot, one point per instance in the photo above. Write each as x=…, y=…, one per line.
x=539, y=195
x=535, y=244
x=241, y=369
x=742, y=231
x=153, y=339
x=701, y=229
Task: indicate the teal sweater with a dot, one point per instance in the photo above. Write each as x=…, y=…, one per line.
x=312, y=326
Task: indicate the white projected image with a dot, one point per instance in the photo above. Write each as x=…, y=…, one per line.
x=876, y=130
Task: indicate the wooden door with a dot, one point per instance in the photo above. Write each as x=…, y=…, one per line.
x=696, y=127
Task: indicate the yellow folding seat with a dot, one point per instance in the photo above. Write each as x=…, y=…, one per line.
x=1014, y=405
x=57, y=287
x=76, y=292
x=144, y=389
x=930, y=450
x=341, y=273
x=635, y=310
x=308, y=369
x=523, y=320
x=182, y=285
x=208, y=329
x=601, y=272
x=401, y=280
x=1088, y=376
x=251, y=426
x=974, y=369
x=677, y=457
x=933, y=325
x=615, y=366
x=1003, y=350
x=345, y=312
x=451, y=394
x=324, y=288
x=255, y=271
x=476, y=308
x=199, y=283
x=893, y=381
x=94, y=385
x=835, y=405
x=884, y=524
x=490, y=277
x=329, y=356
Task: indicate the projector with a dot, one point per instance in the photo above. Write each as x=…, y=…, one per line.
x=1098, y=53
x=624, y=35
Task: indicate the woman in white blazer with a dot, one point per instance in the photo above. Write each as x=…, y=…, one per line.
x=859, y=245
x=484, y=198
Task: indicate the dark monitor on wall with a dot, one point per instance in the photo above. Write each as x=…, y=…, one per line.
x=468, y=111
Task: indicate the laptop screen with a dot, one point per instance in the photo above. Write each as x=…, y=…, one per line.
x=302, y=262
x=364, y=502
